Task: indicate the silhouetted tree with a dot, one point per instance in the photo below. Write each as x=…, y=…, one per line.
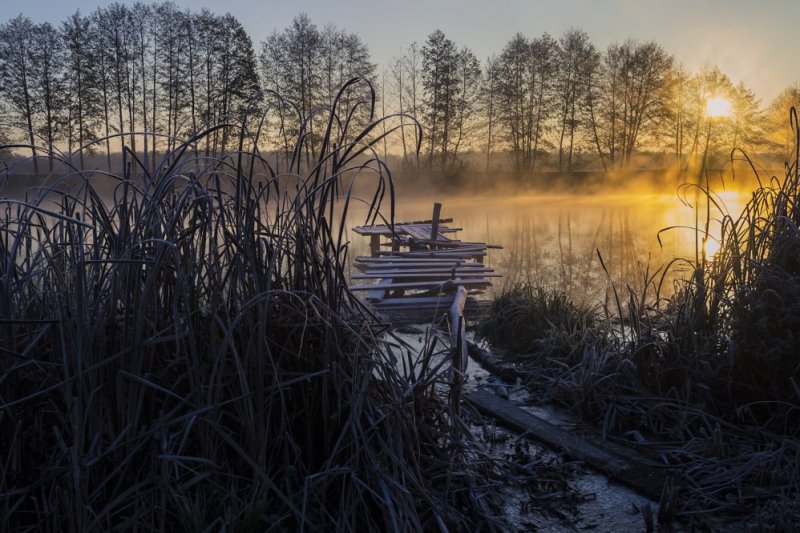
x=781, y=137
x=47, y=73
x=440, y=85
x=577, y=63
x=526, y=77
x=82, y=95
x=631, y=98
x=16, y=79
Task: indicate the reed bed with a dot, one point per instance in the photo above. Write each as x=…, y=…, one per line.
x=181, y=351
x=706, y=380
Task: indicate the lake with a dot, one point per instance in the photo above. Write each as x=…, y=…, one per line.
x=553, y=240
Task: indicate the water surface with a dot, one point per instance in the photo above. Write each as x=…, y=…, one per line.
x=553, y=240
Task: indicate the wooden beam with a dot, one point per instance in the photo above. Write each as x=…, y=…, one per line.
x=443, y=274
x=386, y=231
x=453, y=253
x=378, y=291
x=430, y=285
x=437, y=211
x=389, y=258
x=629, y=469
x=458, y=347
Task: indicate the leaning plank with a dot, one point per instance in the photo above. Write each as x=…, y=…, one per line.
x=416, y=232
x=629, y=470
x=424, y=284
x=381, y=229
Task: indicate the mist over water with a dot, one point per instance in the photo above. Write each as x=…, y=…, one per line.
x=553, y=240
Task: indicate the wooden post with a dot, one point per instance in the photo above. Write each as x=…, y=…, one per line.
x=374, y=244
x=437, y=212
x=458, y=344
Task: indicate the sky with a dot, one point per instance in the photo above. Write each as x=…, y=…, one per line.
x=750, y=40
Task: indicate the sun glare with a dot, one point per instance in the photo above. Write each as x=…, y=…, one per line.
x=718, y=107
x=711, y=247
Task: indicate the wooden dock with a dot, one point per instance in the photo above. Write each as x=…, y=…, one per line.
x=419, y=266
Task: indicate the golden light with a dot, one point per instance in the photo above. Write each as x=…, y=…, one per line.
x=711, y=247
x=718, y=106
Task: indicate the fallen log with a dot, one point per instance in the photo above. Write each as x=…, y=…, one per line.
x=630, y=470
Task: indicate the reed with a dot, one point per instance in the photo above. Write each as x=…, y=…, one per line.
x=182, y=352
x=706, y=379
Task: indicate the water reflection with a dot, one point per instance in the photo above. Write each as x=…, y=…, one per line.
x=553, y=241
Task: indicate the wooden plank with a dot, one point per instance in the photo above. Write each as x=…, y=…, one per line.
x=444, y=249
x=434, y=230
x=408, y=266
x=424, y=284
x=417, y=233
x=385, y=258
x=425, y=269
x=444, y=301
x=455, y=243
x=412, y=262
x=438, y=254
x=381, y=229
x=422, y=233
x=379, y=290
x=444, y=274
x=459, y=248
x=439, y=264
x=458, y=347
x=389, y=258
x=442, y=307
x=629, y=470
x=441, y=221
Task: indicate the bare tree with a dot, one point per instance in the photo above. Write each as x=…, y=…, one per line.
x=16, y=83
x=577, y=62
x=526, y=77
x=489, y=94
x=47, y=73
x=468, y=75
x=440, y=87
x=631, y=98
x=83, y=99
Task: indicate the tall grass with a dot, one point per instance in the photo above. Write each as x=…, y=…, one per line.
x=707, y=379
x=184, y=354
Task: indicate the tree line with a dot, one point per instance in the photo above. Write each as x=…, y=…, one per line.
x=541, y=103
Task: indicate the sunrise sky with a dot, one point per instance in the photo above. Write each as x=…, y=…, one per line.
x=750, y=41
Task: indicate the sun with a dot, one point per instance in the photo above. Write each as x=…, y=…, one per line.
x=718, y=106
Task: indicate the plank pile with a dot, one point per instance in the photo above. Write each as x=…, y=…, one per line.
x=423, y=267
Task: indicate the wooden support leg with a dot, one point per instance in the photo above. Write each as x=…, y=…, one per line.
x=437, y=213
